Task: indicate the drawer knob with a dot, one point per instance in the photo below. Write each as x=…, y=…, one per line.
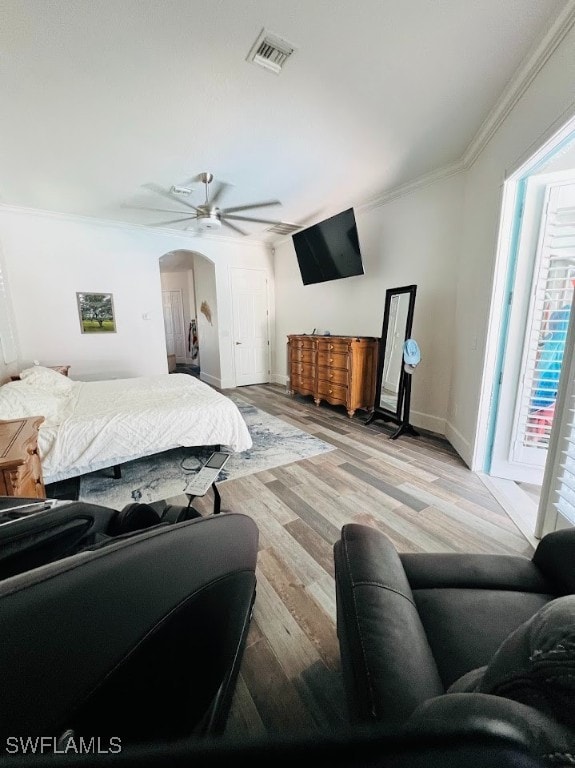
x=331, y=375
x=330, y=346
x=331, y=391
x=331, y=359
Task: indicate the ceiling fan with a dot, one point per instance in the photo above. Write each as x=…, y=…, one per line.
x=208, y=217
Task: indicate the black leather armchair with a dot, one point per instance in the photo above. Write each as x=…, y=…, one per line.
x=411, y=625
x=139, y=637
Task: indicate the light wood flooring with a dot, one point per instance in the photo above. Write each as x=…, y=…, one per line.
x=416, y=490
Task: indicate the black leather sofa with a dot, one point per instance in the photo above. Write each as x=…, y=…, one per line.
x=410, y=626
x=112, y=633
x=137, y=636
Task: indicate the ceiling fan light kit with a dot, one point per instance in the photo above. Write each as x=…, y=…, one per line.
x=207, y=221
x=208, y=217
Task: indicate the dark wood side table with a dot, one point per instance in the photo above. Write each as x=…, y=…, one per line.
x=20, y=467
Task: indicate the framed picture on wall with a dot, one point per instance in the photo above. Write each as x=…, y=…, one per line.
x=96, y=312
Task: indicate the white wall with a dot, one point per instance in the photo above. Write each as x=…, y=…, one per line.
x=8, y=338
x=413, y=239
x=50, y=257
x=545, y=105
x=444, y=239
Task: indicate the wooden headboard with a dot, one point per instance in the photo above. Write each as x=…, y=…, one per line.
x=63, y=369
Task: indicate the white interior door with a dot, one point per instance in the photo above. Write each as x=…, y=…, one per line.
x=250, y=332
x=174, y=324
x=538, y=321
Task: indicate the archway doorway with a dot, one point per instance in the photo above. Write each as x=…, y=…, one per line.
x=180, y=307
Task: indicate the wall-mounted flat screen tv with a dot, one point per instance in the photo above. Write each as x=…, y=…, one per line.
x=329, y=250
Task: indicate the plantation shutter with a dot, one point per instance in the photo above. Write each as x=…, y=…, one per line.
x=557, y=505
x=548, y=322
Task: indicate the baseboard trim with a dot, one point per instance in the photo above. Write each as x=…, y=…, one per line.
x=427, y=421
x=212, y=380
x=279, y=378
x=461, y=445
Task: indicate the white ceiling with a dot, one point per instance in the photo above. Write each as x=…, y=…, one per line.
x=100, y=97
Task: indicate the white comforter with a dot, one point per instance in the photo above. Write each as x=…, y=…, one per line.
x=108, y=422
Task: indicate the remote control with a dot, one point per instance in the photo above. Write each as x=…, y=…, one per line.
x=207, y=475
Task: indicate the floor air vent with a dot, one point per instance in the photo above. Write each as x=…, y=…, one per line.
x=270, y=51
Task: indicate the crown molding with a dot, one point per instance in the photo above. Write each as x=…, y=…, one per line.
x=128, y=227
x=520, y=81
x=514, y=90
x=384, y=198
x=411, y=186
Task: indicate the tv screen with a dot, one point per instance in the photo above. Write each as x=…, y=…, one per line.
x=329, y=250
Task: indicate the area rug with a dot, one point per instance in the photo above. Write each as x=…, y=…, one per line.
x=163, y=475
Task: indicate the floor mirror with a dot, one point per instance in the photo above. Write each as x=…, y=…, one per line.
x=393, y=386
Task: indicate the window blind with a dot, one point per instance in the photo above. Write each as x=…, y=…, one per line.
x=557, y=505
x=549, y=319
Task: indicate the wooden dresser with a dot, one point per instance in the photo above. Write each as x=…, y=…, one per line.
x=20, y=468
x=338, y=369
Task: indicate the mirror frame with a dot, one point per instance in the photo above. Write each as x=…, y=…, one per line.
x=387, y=413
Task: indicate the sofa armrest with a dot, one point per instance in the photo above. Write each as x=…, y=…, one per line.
x=453, y=713
x=387, y=663
x=135, y=638
x=456, y=571
x=554, y=556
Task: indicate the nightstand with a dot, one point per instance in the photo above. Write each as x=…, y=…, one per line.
x=20, y=467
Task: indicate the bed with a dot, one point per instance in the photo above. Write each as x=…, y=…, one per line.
x=96, y=424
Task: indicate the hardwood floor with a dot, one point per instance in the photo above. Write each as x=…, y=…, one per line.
x=416, y=490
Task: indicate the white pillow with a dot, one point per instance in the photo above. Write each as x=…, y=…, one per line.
x=20, y=400
x=38, y=376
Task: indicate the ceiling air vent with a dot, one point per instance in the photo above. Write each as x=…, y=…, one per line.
x=283, y=228
x=270, y=51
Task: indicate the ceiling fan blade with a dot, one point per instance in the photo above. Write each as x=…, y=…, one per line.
x=167, y=194
x=222, y=186
x=248, y=218
x=233, y=226
x=173, y=221
x=148, y=208
x=237, y=208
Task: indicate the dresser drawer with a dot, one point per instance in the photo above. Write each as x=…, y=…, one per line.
x=301, y=384
x=328, y=345
x=332, y=391
x=302, y=369
x=333, y=376
x=302, y=344
x=303, y=356
x=332, y=359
